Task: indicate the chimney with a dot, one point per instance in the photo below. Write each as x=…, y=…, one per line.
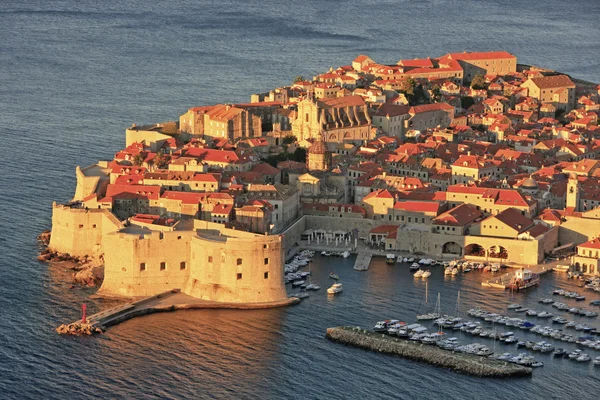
x=469, y=152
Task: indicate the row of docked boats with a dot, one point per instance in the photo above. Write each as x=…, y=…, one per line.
x=300, y=279
x=571, y=295
x=575, y=310
x=593, y=284
x=419, y=333
x=547, y=331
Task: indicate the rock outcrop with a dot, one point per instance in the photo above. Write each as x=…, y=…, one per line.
x=78, y=329
x=87, y=271
x=459, y=362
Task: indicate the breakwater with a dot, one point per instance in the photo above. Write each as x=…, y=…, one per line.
x=458, y=362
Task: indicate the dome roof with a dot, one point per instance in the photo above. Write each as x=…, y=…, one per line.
x=319, y=147
x=529, y=183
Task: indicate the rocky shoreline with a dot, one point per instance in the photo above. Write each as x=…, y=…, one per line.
x=78, y=329
x=458, y=362
x=86, y=271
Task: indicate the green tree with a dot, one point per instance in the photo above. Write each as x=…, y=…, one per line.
x=138, y=159
x=478, y=82
x=407, y=86
x=299, y=155
x=160, y=161
x=466, y=102
x=436, y=94
x=298, y=78
x=289, y=139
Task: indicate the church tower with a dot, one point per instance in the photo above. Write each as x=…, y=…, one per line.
x=318, y=157
x=573, y=192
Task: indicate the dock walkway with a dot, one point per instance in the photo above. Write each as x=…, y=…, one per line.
x=167, y=301
x=362, y=261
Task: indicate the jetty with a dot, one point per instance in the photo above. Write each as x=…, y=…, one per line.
x=171, y=300
x=362, y=261
x=459, y=362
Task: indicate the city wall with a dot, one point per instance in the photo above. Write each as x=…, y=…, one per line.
x=80, y=232
x=235, y=266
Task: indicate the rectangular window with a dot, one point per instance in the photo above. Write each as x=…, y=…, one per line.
x=209, y=259
x=94, y=226
x=182, y=265
x=266, y=275
x=239, y=261
x=80, y=226
x=239, y=275
x=142, y=266
x=266, y=261
x=163, y=266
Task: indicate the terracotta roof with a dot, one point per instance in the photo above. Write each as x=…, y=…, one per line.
x=480, y=55
x=460, y=215
x=418, y=206
x=591, y=244
x=384, y=229
x=429, y=108
x=514, y=219
x=265, y=169
x=554, y=81
x=391, y=110
x=150, y=192
x=341, y=102
x=224, y=209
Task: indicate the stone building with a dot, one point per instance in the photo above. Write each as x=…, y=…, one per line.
x=558, y=90
x=482, y=63
x=339, y=120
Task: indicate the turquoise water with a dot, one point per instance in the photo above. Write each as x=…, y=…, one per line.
x=75, y=74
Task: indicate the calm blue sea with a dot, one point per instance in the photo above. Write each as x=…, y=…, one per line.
x=75, y=74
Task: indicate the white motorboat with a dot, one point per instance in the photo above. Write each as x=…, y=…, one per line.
x=583, y=357
x=419, y=274
x=514, y=306
x=454, y=271
x=335, y=288
x=410, y=260
x=597, y=360
x=448, y=271
x=531, y=313
x=414, y=266
x=426, y=274
x=545, y=314
x=346, y=254
x=312, y=286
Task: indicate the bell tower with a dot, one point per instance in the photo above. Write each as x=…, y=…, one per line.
x=573, y=192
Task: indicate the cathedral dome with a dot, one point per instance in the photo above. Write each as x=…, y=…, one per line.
x=530, y=184
x=318, y=147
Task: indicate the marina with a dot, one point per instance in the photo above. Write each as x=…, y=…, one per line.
x=508, y=333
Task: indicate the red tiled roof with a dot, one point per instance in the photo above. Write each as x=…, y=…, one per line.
x=591, y=244
x=418, y=206
x=384, y=229
x=460, y=215
x=150, y=192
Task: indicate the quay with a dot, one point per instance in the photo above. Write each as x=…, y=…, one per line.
x=502, y=281
x=459, y=362
x=362, y=261
x=171, y=300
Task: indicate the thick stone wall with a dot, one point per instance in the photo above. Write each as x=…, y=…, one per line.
x=236, y=268
x=578, y=230
x=80, y=232
x=132, y=262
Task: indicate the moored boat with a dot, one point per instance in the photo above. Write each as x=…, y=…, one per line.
x=335, y=288
x=523, y=279
x=390, y=259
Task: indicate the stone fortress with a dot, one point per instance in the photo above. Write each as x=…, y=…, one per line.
x=201, y=258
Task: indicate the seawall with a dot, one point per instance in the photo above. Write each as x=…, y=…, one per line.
x=458, y=362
